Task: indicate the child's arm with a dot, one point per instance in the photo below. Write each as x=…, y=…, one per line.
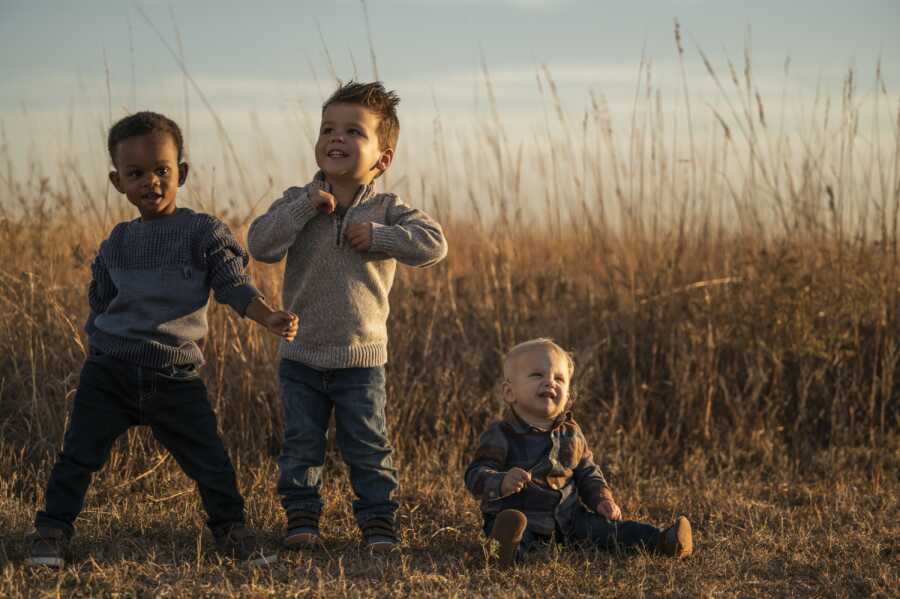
x=101, y=290
x=226, y=261
x=283, y=324
x=592, y=486
x=412, y=236
x=272, y=234
x=485, y=476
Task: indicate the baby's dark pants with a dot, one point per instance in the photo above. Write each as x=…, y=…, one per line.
x=591, y=529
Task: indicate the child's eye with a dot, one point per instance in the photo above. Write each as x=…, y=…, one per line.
x=354, y=131
x=133, y=174
x=162, y=171
x=326, y=130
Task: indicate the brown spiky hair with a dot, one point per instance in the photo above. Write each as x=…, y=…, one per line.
x=381, y=102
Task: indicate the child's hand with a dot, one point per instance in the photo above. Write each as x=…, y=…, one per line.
x=514, y=481
x=609, y=510
x=283, y=324
x=322, y=201
x=359, y=235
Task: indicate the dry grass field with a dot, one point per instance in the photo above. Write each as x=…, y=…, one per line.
x=731, y=299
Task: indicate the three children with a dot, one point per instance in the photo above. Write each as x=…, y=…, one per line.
x=148, y=295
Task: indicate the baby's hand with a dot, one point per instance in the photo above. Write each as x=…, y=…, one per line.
x=514, y=481
x=609, y=510
x=359, y=235
x=283, y=324
x=322, y=201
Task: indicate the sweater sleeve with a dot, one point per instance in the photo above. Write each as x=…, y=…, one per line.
x=101, y=290
x=272, y=234
x=226, y=262
x=412, y=236
x=485, y=474
x=589, y=479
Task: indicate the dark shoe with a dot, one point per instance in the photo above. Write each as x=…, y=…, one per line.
x=677, y=540
x=48, y=547
x=240, y=542
x=378, y=534
x=302, y=531
x=508, y=530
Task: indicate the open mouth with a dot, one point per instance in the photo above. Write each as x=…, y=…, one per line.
x=336, y=154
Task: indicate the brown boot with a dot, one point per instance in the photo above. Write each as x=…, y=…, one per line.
x=677, y=540
x=508, y=530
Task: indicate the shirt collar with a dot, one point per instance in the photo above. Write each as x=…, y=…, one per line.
x=521, y=427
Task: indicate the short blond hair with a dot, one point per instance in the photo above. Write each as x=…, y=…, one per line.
x=532, y=344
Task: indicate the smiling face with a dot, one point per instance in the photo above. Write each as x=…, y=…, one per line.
x=348, y=149
x=537, y=387
x=148, y=173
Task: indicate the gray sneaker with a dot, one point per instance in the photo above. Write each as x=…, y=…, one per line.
x=48, y=547
x=240, y=542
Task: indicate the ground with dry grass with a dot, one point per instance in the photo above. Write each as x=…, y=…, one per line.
x=731, y=296
x=759, y=532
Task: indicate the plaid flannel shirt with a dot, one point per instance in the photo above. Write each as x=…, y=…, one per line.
x=561, y=466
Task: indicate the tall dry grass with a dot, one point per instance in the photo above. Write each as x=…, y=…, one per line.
x=729, y=292
x=737, y=293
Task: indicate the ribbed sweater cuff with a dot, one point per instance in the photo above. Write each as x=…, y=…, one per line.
x=384, y=239
x=302, y=210
x=239, y=297
x=328, y=358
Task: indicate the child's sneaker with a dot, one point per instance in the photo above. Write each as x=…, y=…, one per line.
x=378, y=534
x=302, y=530
x=508, y=530
x=240, y=542
x=677, y=540
x=48, y=547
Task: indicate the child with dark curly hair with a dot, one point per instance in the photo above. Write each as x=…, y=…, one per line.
x=148, y=295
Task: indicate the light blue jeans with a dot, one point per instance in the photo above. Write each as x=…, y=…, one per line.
x=357, y=397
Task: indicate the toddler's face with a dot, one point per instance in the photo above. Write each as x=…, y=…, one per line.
x=348, y=149
x=147, y=172
x=538, y=388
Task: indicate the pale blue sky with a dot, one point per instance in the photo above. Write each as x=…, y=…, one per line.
x=258, y=62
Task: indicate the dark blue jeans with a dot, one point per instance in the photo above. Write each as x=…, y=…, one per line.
x=114, y=395
x=591, y=529
x=357, y=397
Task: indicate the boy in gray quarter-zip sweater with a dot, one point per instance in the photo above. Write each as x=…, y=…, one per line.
x=342, y=242
x=148, y=295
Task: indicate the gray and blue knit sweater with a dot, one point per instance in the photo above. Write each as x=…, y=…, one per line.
x=150, y=287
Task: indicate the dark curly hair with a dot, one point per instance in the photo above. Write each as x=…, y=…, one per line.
x=377, y=99
x=142, y=123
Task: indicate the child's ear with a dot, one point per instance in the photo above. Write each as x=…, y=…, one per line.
x=385, y=160
x=508, y=396
x=183, y=169
x=114, y=179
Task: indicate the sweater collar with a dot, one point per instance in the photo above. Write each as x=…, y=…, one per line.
x=362, y=194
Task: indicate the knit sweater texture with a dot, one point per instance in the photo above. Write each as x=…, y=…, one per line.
x=150, y=287
x=339, y=293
